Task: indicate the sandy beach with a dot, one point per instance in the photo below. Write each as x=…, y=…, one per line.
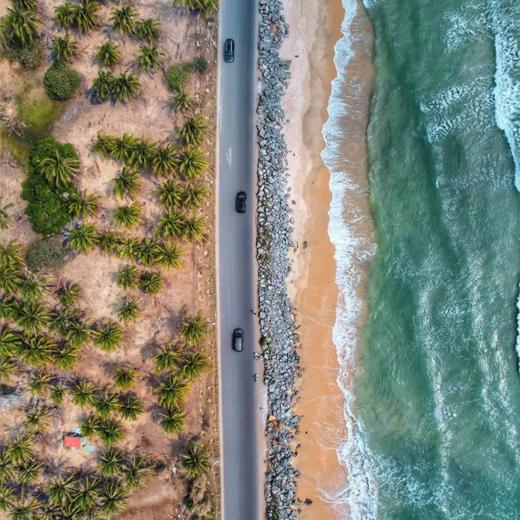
x=315, y=27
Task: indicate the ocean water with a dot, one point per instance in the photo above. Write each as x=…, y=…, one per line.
x=437, y=398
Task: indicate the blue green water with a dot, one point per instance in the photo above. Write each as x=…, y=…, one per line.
x=439, y=390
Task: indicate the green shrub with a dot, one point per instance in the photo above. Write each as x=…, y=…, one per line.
x=61, y=82
x=29, y=57
x=46, y=253
x=200, y=64
x=177, y=76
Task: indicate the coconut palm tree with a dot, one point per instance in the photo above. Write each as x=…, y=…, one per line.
x=60, y=489
x=106, y=403
x=109, y=241
x=164, y=160
x=6, y=467
x=11, y=256
x=82, y=204
x=107, y=336
x=7, y=497
x=172, y=421
x=196, y=460
x=4, y=215
x=27, y=5
x=146, y=251
x=37, y=417
x=127, y=216
x=181, y=101
x=124, y=148
x=194, y=229
x=170, y=255
x=83, y=393
x=33, y=288
x=170, y=224
x=58, y=168
x=90, y=426
x=129, y=310
x=65, y=15
x=40, y=383
x=194, y=329
x=170, y=194
x=28, y=471
x=82, y=237
x=64, y=48
x=85, y=494
x=9, y=341
x=148, y=29
x=68, y=293
x=86, y=15
x=192, y=163
x=127, y=248
x=65, y=356
x=128, y=277
x=111, y=462
x=124, y=19
x=110, y=431
x=125, y=377
x=24, y=509
x=173, y=392
x=166, y=359
x=108, y=54
x=113, y=499
x=203, y=6
x=22, y=25
x=10, y=280
x=194, y=364
x=130, y=407
x=21, y=450
x=134, y=471
x=126, y=87
x=32, y=316
x=8, y=307
x=194, y=196
x=102, y=87
x=193, y=131
x=78, y=332
x=127, y=183
x=150, y=282
x=150, y=57
x=104, y=145
x=142, y=153
x=7, y=368
x=57, y=393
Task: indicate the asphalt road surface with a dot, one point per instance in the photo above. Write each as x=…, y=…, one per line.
x=236, y=269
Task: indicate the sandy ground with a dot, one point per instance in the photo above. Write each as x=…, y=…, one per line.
x=185, y=290
x=315, y=26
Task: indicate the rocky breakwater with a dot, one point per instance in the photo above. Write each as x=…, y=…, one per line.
x=278, y=337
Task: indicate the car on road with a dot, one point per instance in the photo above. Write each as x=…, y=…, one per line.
x=240, y=202
x=229, y=50
x=238, y=340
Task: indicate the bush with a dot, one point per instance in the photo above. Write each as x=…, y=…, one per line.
x=61, y=82
x=200, y=64
x=29, y=57
x=46, y=253
x=177, y=76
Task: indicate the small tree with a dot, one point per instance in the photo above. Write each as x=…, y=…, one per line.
x=181, y=101
x=83, y=204
x=148, y=29
x=125, y=377
x=170, y=256
x=172, y=421
x=69, y=293
x=108, y=336
x=64, y=48
x=82, y=238
x=150, y=282
x=150, y=57
x=170, y=194
x=194, y=329
x=128, y=277
x=127, y=216
x=193, y=131
x=130, y=407
x=127, y=183
x=166, y=359
x=111, y=462
x=126, y=87
x=83, y=393
x=106, y=403
x=108, y=54
x=164, y=160
x=173, y=392
x=129, y=310
x=192, y=163
x=196, y=460
x=110, y=431
x=194, y=364
x=124, y=20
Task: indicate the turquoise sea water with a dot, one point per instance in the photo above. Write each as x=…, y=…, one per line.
x=439, y=390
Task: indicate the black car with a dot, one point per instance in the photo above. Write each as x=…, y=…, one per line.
x=238, y=337
x=240, y=202
x=229, y=50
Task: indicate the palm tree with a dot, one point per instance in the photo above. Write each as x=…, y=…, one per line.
x=134, y=471
x=113, y=499
x=125, y=377
x=166, y=359
x=194, y=364
x=7, y=498
x=65, y=15
x=204, y=6
x=27, y=5
x=11, y=256
x=37, y=417
x=57, y=393
x=60, y=489
x=142, y=153
x=146, y=251
x=40, y=382
x=103, y=86
x=82, y=238
x=78, y=332
x=106, y=403
x=24, y=509
x=4, y=215
x=111, y=462
x=6, y=467
x=32, y=316
x=148, y=29
x=194, y=329
x=21, y=449
x=170, y=194
x=127, y=183
x=194, y=195
x=108, y=54
x=28, y=471
x=171, y=224
x=110, y=431
x=109, y=241
x=192, y=163
x=90, y=426
x=172, y=421
x=150, y=282
x=85, y=494
x=128, y=277
x=181, y=101
x=9, y=341
x=85, y=15
x=59, y=169
x=83, y=393
x=130, y=407
x=10, y=280
x=193, y=130
x=7, y=368
x=127, y=216
x=194, y=229
x=104, y=145
x=164, y=160
x=82, y=204
x=173, y=392
x=150, y=57
x=196, y=460
x=129, y=310
x=64, y=48
x=123, y=19
x=108, y=336
x=65, y=356
x=170, y=255
x=69, y=293
x=126, y=87
x=22, y=25
x=124, y=148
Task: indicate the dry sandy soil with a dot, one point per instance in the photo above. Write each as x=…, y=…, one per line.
x=185, y=290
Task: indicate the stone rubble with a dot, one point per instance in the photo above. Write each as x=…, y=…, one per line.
x=276, y=315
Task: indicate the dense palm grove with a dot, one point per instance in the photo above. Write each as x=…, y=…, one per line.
x=44, y=328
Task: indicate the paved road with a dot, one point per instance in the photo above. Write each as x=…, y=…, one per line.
x=236, y=270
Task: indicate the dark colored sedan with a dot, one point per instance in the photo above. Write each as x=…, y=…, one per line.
x=238, y=340
x=229, y=50
x=240, y=202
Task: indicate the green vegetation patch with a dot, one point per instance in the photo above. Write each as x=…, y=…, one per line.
x=46, y=254
x=61, y=82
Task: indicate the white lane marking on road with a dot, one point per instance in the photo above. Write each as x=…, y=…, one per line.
x=229, y=156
